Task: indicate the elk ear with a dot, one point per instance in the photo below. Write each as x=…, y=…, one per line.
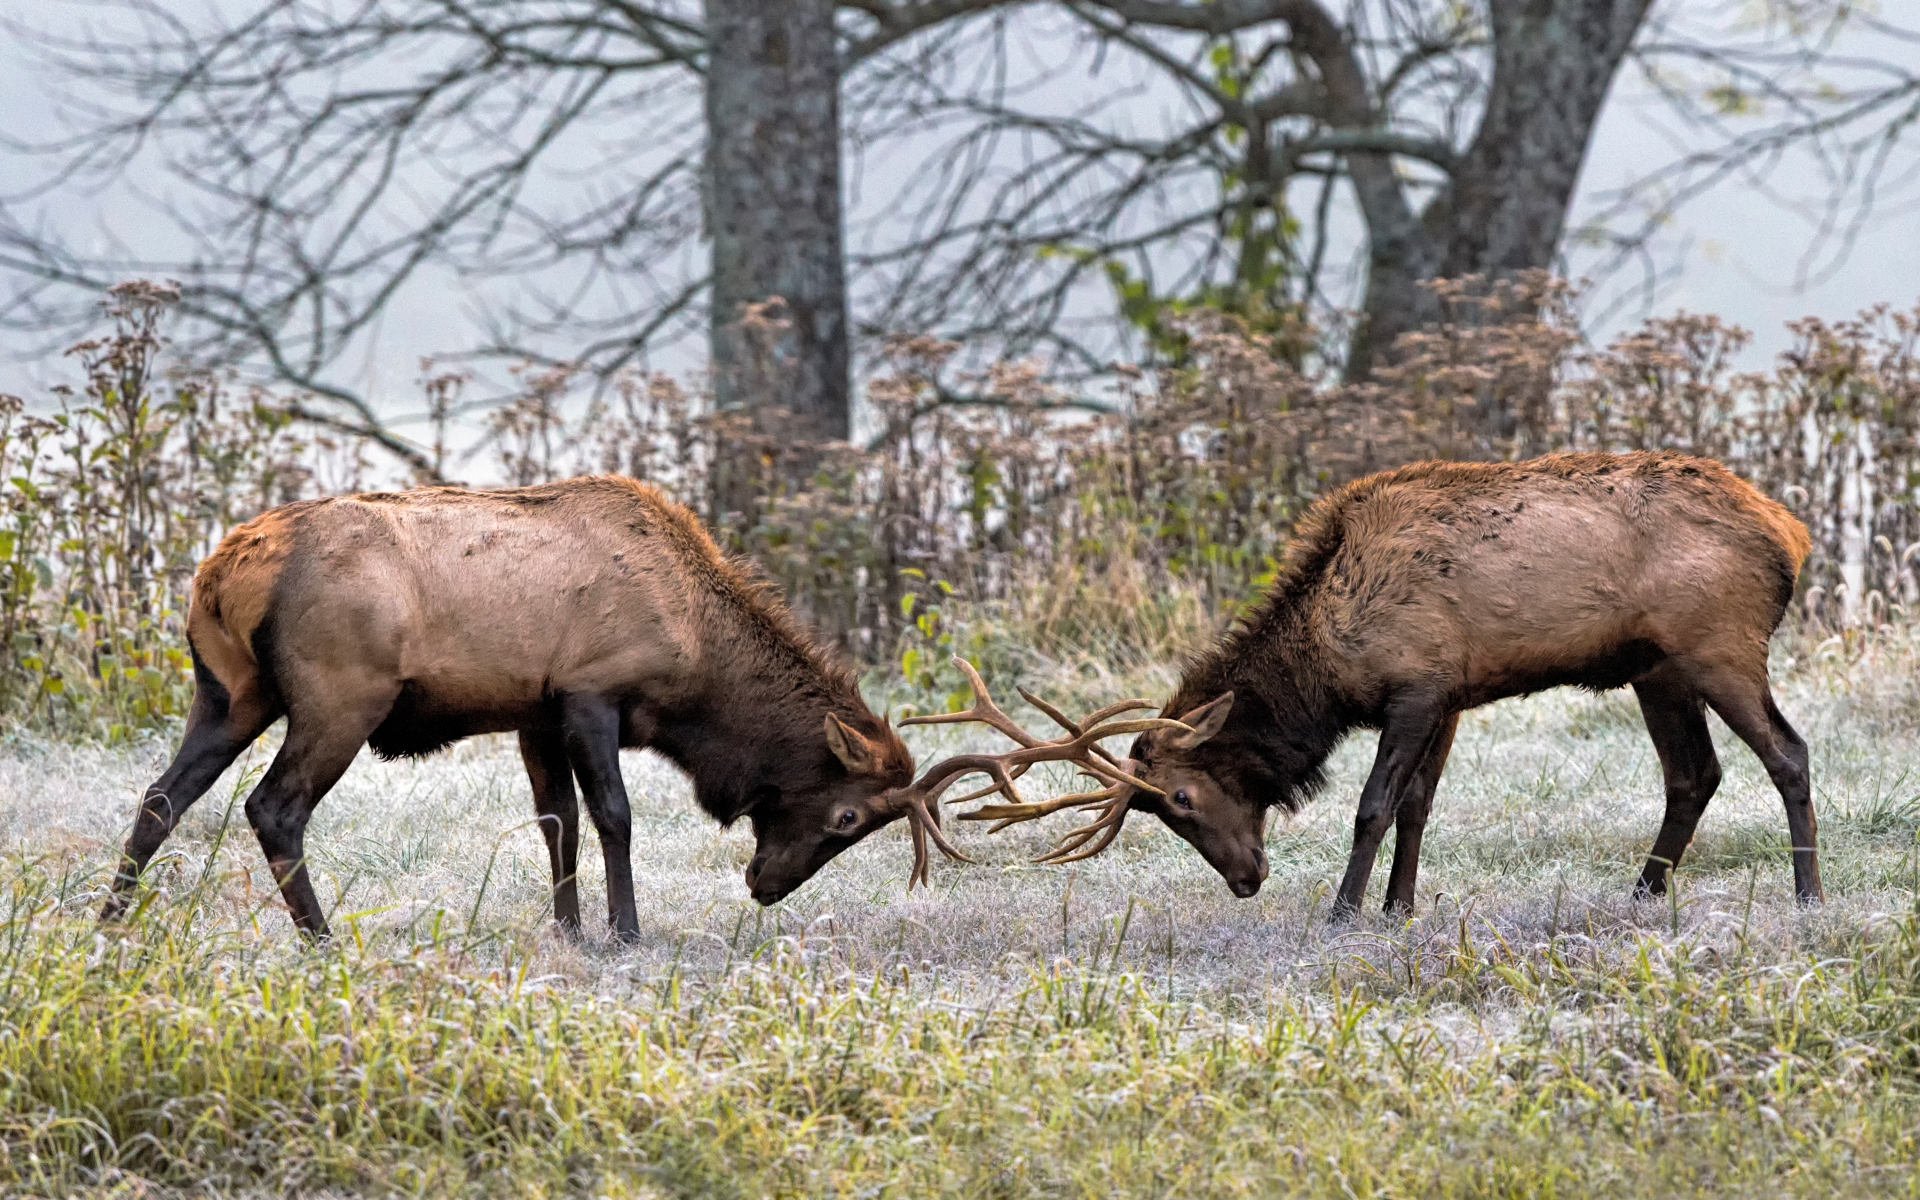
x=854, y=751
x=1205, y=721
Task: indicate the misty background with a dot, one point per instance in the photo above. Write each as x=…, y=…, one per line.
x=1779, y=238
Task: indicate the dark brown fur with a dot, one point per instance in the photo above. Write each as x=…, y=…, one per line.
x=586, y=615
x=1417, y=593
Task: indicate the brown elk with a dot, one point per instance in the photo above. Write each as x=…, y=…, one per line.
x=588, y=616
x=1412, y=595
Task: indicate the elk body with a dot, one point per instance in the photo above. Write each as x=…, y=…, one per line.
x=587, y=615
x=1412, y=595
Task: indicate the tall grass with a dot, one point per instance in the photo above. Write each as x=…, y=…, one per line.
x=187, y=1056
x=1124, y=1028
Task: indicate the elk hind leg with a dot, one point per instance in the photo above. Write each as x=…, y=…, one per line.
x=1676, y=717
x=545, y=753
x=1410, y=822
x=217, y=731
x=320, y=746
x=1745, y=703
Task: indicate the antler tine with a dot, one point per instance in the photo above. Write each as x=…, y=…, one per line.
x=922, y=863
x=923, y=826
x=1079, y=744
x=984, y=710
x=990, y=789
x=1093, y=719
x=948, y=771
x=1073, y=846
x=1012, y=814
x=1074, y=727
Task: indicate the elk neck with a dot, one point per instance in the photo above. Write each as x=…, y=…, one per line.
x=1289, y=710
x=750, y=718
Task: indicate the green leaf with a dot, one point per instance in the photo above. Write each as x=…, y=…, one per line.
x=1730, y=100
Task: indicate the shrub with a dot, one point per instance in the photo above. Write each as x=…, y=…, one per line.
x=996, y=515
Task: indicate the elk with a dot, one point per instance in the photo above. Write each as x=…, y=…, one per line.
x=588, y=616
x=1415, y=594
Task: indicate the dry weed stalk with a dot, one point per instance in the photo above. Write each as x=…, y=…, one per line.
x=1130, y=523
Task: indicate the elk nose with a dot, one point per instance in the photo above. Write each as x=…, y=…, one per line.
x=754, y=868
x=1260, y=860
x=1244, y=887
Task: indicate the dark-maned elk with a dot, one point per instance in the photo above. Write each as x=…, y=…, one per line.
x=587, y=615
x=1412, y=595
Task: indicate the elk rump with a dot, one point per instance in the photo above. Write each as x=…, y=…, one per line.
x=587, y=615
x=1412, y=595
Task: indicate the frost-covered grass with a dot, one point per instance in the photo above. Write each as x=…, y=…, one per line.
x=1125, y=1026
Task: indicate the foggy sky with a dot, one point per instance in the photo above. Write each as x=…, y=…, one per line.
x=1733, y=251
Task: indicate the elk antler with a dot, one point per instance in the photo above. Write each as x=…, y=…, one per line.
x=1080, y=745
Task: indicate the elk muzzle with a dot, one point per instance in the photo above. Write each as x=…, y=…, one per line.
x=1248, y=884
x=775, y=872
x=762, y=886
x=1237, y=854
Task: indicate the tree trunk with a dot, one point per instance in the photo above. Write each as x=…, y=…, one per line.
x=1505, y=206
x=773, y=210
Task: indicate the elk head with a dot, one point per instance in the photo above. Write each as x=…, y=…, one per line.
x=1079, y=745
x=812, y=810
x=1196, y=793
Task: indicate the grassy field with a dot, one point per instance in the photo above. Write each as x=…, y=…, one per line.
x=1122, y=1027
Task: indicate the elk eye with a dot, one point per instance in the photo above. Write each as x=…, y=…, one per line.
x=846, y=820
x=1181, y=798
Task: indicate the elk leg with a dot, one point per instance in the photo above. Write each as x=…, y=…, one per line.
x=317, y=752
x=591, y=725
x=1748, y=709
x=1410, y=822
x=545, y=753
x=1406, y=741
x=1676, y=718
x=215, y=736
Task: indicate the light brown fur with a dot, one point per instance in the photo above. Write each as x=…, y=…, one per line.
x=1415, y=594
x=587, y=614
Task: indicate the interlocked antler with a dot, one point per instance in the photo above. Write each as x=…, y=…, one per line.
x=1080, y=746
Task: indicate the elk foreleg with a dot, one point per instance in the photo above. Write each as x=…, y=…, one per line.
x=1410, y=822
x=545, y=753
x=591, y=727
x=1412, y=730
x=1676, y=719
